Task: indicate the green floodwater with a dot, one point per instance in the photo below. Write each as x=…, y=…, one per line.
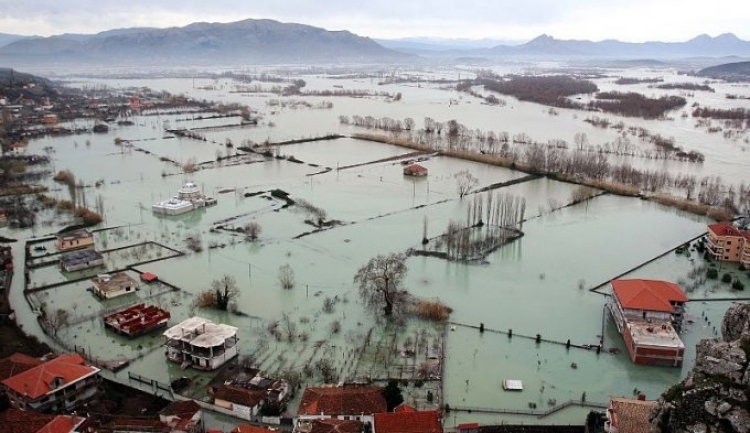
x=530, y=286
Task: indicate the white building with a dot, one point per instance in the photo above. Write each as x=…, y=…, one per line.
x=200, y=343
x=188, y=198
x=108, y=286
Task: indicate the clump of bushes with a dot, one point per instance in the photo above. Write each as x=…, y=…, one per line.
x=738, y=285
x=432, y=310
x=726, y=278
x=712, y=273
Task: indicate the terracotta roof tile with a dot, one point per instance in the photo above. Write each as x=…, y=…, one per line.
x=631, y=416
x=403, y=407
x=186, y=408
x=17, y=363
x=238, y=395
x=727, y=229
x=247, y=428
x=21, y=421
x=650, y=295
x=37, y=381
x=333, y=425
x=61, y=424
x=408, y=422
x=342, y=401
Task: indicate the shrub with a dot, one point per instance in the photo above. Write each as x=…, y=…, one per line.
x=433, y=310
x=712, y=273
x=726, y=278
x=738, y=285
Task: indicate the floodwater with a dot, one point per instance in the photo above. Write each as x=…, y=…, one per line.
x=536, y=285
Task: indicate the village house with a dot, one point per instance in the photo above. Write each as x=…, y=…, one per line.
x=247, y=428
x=22, y=421
x=648, y=315
x=137, y=320
x=415, y=170
x=727, y=243
x=406, y=419
x=343, y=403
x=74, y=240
x=200, y=343
x=243, y=403
x=108, y=286
x=16, y=364
x=182, y=417
x=61, y=384
x=626, y=415
x=331, y=425
x=80, y=260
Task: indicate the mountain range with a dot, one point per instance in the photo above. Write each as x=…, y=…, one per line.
x=271, y=42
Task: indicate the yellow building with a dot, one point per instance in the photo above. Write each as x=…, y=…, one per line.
x=728, y=243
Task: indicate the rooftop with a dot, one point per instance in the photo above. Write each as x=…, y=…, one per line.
x=113, y=282
x=408, y=422
x=727, y=229
x=630, y=416
x=184, y=409
x=239, y=395
x=647, y=334
x=81, y=256
x=342, y=401
x=650, y=295
x=75, y=234
x=17, y=363
x=38, y=381
x=335, y=426
x=201, y=332
x=21, y=421
x=247, y=428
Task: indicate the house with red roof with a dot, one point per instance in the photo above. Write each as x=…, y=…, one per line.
x=331, y=425
x=415, y=170
x=182, y=417
x=21, y=421
x=61, y=384
x=17, y=363
x=357, y=403
x=406, y=419
x=247, y=428
x=726, y=242
x=648, y=314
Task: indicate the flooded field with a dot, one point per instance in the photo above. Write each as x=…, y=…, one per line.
x=537, y=284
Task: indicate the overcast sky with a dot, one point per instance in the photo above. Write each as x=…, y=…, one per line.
x=627, y=20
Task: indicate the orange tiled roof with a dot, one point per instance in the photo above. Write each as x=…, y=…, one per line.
x=241, y=396
x=727, y=229
x=185, y=409
x=21, y=421
x=17, y=363
x=61, y=424
x=650, y=295
x=342, y=401
x=403, y=407
x=36, y=382
x=631, y=416
x=408, y=422
x=247, y=428
x=333, y=425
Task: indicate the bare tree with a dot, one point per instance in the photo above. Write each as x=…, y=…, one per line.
x=465, y=182
x=380, y=281
x=286, y=276
x=226, y=290
x=253, y=229
x=58, y=320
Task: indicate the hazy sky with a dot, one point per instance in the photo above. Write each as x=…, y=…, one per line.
x=627, y=20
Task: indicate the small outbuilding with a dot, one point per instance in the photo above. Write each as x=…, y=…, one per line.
x=148, y=277
x=415, y=170
x=108, y=286
x=79, y=260
x=74, y=240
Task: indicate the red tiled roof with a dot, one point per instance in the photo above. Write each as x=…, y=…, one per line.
x=727, y=229
x=238, y=395
x=247, y=428
x=185, y=409
x=37, y=381
x=468, y=426
x=403, y=407
x=61, y=424
x=650, y=295
x=408, y=422
x=17, y=363
x=333, y=425
x=342, y=401
x=21, y=421
x=415, y=168
x=149, y=277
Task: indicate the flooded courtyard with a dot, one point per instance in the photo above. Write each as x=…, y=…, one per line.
x=538, y=284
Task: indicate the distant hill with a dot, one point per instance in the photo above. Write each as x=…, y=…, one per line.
x=703, y=45
x=727, y=71
x=6, y=38
x=242, y=42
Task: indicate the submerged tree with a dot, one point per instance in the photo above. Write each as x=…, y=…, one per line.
x=286, y=276
x=465, y=182
x=226, y=290
x=380, y=281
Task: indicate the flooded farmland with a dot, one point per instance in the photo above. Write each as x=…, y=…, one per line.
x=538, y=284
